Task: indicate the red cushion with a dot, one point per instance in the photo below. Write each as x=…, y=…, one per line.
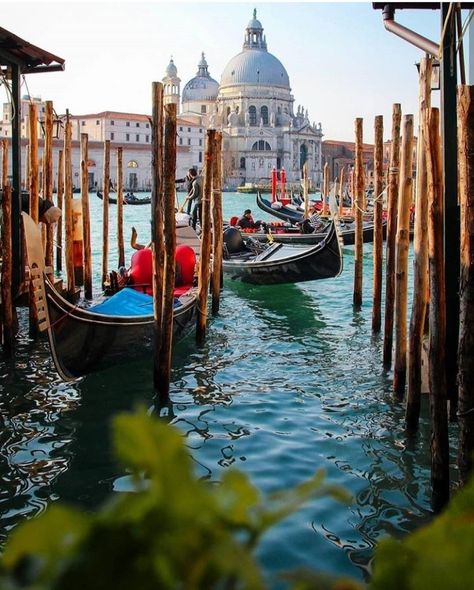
x=233, y=220
x=185, y=263
x=141, y=270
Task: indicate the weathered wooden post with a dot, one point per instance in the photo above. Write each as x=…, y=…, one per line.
x=392, y=196
x=341, y=193
x=86, y=222
x=48, y=177
x=33, y=154
x=437, y=318
x=120, y=243
x=68, y=227
x=402, y=244
x=105, y=212
x=157, y=238
x=60, y=198
x=7, y=267
x=306, y=190
x=169, y=175
x=358, y=199
x=378, y=229
x=466, y=331
x=217, y=223
x=204, y=259
x=4, y=162
x=325, y=209
x=420, y=263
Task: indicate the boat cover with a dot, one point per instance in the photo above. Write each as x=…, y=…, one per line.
x=127, y=302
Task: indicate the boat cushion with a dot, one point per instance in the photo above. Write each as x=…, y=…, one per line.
x=185, y=264
x=129, y=302
x=233, y=220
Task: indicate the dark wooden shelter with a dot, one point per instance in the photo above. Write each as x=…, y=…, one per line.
x=19, y=57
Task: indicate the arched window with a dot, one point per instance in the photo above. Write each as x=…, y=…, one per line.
x=253, y=115
x=264, y=115
x=242, y=163
x=228, y=111
x=261, y=146
x=132, y=164
x=303, y=155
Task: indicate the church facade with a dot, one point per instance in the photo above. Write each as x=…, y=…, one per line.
x=254, y=108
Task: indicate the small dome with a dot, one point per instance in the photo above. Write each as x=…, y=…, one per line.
x=171, y=70
x=202, y=86
x=255, y=23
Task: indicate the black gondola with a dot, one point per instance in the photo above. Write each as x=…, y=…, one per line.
x=84, y=340
x=277, y=263
x=128, y=199
x=293, y=215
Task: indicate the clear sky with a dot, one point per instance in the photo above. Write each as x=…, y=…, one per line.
x=341, y=61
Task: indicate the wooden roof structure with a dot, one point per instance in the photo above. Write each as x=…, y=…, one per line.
x=31, y=59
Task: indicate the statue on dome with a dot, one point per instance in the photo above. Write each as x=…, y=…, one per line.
x=272, y=119
x=233, y=118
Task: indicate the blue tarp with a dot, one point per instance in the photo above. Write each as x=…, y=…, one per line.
x=125, y=302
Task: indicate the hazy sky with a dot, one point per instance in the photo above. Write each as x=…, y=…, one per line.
x=341, y=61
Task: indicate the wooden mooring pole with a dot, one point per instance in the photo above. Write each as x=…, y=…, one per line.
x=217, y=223
x=437, y=318
x=358, y=200
x=378, y=230
x=466, y=330
x=48, y=176
x=341, y=192
x=392, y=196
x=120, y=242
x=4, y=162
x=401, y=262
x=157, y=238
x=205, y=255
x=33, y=167
x=105, y=212
x=86, y=222
x=68, y=226
x=420, y=262
x=7, y=267
x=305, y=190
x=325, y=209
x=60, y=200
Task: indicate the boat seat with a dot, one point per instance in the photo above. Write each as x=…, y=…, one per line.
x=233, y=220
x=234, y=241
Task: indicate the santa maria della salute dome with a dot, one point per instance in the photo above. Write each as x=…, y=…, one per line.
x=253, y=107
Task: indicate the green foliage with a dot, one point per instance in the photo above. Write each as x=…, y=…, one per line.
x=439, y=556
x=171, y=532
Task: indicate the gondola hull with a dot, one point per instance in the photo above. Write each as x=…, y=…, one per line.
x=293, y=215
x=127, y=201
x=282, y=263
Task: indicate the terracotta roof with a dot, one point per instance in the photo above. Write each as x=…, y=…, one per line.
x=113, y=115
x=348, y=144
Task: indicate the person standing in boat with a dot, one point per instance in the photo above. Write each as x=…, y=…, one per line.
x=195, y=197
x=188, y=185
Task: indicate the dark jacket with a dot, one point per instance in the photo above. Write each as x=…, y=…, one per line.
x=196, y=190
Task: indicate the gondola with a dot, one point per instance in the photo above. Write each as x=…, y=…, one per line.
x=85, y=340
x=292, y=215
x=128, y=199
x=275, y=263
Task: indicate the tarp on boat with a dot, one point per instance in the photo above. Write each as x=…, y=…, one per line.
x=126, y=302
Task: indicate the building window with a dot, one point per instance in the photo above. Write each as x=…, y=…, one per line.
x=127, y=124
x=137, y=138
x=261, y=146
x=132, y=164
x=180, y=141
x=237, y=110
x=147, y=125
x=97, y=122
x=112, y=136
x=264, y=115
x=83, y=123
x=138, y=125
x=200, y=142
x=200, y=130
x=147, y=138
x=127, y=137
x=253, y=115
x=200, y=157
x=189, y=141
x=242, y=163
x=112, y=122
x=203, y=109
x=180, y=128
x=189, y=129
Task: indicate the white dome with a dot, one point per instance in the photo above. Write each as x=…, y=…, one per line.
x=255, y=66
x=171, y=70
x=202, y=86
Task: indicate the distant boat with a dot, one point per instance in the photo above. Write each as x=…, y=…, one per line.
x=251, y=188
x=128, y=199
x=278, y=263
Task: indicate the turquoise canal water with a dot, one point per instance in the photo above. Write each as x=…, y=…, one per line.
x=288, y=381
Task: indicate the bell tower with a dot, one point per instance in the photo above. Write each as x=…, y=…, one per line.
x=171, y=85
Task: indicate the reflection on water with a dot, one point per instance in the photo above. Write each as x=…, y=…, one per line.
x=288, y=381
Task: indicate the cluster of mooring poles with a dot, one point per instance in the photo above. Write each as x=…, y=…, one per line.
x=425, y=338
x=75, y=242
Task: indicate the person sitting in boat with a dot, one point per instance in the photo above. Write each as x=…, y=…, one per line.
x=247, y=221
x=47, y=212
